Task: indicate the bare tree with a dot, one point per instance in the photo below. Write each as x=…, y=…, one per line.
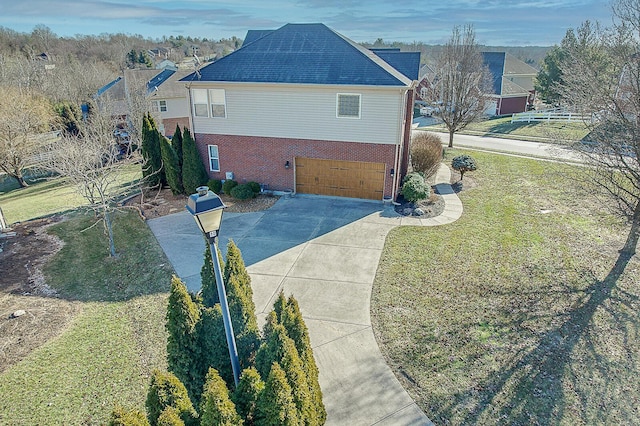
x=93, y=162
x=24, y=116
x=460, y=81
x=602, y=79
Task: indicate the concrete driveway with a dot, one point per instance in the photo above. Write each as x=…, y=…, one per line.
x=325, y=251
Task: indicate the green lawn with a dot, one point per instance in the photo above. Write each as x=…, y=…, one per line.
x=502, y=127
x=106, y=353
x=510, y=315
x=45, y=196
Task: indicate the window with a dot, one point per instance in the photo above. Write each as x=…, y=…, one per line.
x=214, y=159
x=217, y=99
x=200, y=103
x=209, y=103
x=159, y=106
x=348, y=105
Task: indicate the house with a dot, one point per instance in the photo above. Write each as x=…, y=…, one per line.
x=304, y=108
x=166, y=95
x=513, y=83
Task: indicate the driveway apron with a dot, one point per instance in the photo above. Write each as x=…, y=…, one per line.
x=325, y=252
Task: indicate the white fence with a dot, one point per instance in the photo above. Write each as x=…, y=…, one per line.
x=552, y=115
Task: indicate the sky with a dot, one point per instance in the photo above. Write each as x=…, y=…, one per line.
x=496, y=22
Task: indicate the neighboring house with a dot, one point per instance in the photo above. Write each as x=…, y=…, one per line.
x=167, y=96
x=303, y=108
x=513, y=83
x=166, y=64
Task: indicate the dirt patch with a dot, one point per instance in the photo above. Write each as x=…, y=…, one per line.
x=431, y=207
x=460, y=185
x=25, y=249
x=154, y=204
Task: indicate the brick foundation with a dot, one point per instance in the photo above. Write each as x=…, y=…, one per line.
x=263, y=159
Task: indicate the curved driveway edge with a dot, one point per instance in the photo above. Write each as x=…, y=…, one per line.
x=325, y=251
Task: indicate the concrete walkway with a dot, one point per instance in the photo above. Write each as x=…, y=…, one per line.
x=325, y=251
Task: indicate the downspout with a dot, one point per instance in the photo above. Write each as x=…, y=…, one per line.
x=401, y=139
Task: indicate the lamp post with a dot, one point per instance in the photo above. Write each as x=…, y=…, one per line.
x=206, y=208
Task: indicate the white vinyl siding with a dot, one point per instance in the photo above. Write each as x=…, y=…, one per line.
x=348, y=105
x=214, y=158
x=308, y=113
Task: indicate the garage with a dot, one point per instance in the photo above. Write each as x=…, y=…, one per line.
x=354, y=179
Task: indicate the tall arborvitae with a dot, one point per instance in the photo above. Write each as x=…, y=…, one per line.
x=281, y=349
x=209, y=290
x=287, y=314
x=171, y=166
x=165, y=391
x=182, y=342
x=170, y=417
x=152, y=169
x=297, y=330
x=122, y=417
x=216, y=408
x=241, y=307
x=275, y=406
x=176, y=143
x=193, y=171
x=213, y=349
x=247, y=393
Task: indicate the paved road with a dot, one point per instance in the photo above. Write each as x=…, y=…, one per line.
x=512, y=146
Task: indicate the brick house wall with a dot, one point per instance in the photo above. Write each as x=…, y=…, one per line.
x=170, y=125
x=262, y=159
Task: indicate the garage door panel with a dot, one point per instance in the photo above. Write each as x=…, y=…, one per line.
x=340, y=178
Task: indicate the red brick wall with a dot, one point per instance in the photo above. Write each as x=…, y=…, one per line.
x=170, y=124
x=263, y=160
x=513, y=105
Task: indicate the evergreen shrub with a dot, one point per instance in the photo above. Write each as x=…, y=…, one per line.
x=228, y=185
x=242, y=192
x=415, y=188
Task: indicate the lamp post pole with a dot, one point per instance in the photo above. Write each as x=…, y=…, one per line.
x=226, y=316
x=206, y=208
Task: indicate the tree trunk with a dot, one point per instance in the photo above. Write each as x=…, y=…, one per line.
x=23, y=183
x=634, y=233
x=109, y=226
x=450, y=139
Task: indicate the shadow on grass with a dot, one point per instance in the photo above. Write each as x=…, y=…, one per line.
x=82, y=270
x=534, y=389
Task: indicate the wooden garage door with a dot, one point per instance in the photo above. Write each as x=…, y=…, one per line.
x=353, y=179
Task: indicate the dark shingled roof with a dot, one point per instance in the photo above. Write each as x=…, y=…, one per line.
x=253, y=35
x=495, y=62
x=408, y=63
x=303, y=54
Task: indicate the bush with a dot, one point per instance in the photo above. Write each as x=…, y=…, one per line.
x=255, y=186
x=228, y=185
x=215, y=185
x=426, y=154
x=464, y=163
x=242, y=192
x=414, y=188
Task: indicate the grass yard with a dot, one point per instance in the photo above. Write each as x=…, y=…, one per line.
x=502, y=127
x=45, y=196
x=510, y=315
x=105, y=353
